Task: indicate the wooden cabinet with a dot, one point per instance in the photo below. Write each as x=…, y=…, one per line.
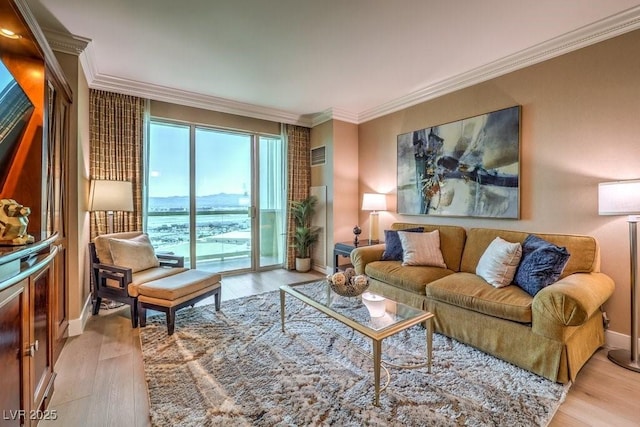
x=14, y=306
x=27, y=334
x=33, y=166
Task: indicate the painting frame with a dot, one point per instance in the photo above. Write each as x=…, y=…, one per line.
x=465, y=168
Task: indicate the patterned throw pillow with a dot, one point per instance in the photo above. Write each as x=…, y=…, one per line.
x=393, y=246
x=499, y=261
x=421, y=249
x=542, y=264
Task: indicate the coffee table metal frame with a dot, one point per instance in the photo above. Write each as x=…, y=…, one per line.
x=376, y=336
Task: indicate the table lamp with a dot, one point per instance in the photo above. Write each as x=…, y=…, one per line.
x=110, y=196
x=374, y=202
x=623, y=198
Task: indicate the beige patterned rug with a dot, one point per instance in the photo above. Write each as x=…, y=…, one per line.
x=236, y=367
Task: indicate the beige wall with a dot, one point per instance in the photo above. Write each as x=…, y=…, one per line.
x=78, y=218
x=580, y=126
x=214, y=118
x=340, y=175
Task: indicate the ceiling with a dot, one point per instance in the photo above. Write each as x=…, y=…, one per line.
x=304, y=61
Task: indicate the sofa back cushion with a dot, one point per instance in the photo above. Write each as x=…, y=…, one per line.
x=584, y=250
x=452, y=241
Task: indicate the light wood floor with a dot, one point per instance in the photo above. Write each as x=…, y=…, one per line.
x=101, y=381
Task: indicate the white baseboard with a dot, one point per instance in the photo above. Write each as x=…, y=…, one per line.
x=617, y=340
x=76, y=326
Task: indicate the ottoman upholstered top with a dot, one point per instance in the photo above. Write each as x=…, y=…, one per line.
x=178, y=285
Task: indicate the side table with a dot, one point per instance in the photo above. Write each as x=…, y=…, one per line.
x=343, y=249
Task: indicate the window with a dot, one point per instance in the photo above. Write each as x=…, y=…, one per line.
x=215, y=197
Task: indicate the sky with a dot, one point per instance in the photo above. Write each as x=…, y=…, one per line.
x=223, y=161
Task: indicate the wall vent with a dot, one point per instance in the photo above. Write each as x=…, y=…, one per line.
x=318, y=156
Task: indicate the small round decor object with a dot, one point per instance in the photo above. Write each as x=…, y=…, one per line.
x=347, y=283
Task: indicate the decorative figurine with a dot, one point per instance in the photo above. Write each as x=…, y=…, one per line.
x=356, y=231
x=13, y=223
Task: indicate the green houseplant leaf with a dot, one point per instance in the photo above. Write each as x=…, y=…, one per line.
x=305, y=235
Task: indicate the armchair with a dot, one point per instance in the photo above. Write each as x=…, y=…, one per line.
x=120, y=262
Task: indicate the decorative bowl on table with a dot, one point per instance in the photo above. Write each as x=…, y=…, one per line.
x=347, y=283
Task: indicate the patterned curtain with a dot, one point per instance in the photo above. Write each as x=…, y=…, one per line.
x=116, y=139
x=298, y=178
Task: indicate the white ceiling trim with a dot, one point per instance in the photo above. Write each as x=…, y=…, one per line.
x=621, y=23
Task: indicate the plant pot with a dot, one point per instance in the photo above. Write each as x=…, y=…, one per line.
x=303, y=264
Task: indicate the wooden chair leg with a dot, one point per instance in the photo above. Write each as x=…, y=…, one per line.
x=134, y=314
x=217, y=300
x=96, y=305
x=142, y=315
x=171, y=321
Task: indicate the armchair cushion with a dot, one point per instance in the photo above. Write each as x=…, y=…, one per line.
x=136, y=253
x=103, y=251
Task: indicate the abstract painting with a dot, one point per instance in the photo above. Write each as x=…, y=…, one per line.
x=470, y=167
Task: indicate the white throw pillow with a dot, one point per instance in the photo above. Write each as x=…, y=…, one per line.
x=136, y=253
x=421, y=248
x=499, y=262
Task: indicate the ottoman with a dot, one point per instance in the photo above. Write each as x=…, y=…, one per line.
x=172, y=293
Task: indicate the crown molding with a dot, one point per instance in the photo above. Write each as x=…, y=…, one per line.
x=193, y=99
x=334, y=114
x=66, y=43
x=607, y=28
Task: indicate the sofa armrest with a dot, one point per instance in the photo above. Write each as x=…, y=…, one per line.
x=572, y=300
x=360, y=257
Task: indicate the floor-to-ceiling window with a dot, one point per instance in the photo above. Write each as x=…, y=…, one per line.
x=215, y=197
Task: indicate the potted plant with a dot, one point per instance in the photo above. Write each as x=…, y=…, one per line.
x=305, y=235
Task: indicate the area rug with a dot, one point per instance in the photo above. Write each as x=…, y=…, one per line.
x=237, y=367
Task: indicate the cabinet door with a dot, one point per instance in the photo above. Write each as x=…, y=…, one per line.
x=59, y=295
x=14, y=304
x=40, y=337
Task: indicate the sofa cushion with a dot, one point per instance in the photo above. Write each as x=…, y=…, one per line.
x=472, y=292
x=452, y=241
x=410, y=278
x=499, y=262
x=421, y=249
x=393, y=246
x=584, y=250
x=541, y=265
x=136, y=253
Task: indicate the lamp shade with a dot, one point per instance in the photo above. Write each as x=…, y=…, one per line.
x=108, y=195
x=619, y=198
x=374, y=202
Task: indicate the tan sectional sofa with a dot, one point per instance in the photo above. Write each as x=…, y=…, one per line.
x=552, y=334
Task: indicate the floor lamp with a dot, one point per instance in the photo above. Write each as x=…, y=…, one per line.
x=374, y=202
x=110, y=196
x=623, y=198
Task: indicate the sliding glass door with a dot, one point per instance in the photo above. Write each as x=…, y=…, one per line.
x=216, y=197
x=223, y=195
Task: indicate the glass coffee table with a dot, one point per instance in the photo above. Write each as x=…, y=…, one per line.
x=353, y=312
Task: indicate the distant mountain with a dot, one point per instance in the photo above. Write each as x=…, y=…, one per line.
x=214, y=201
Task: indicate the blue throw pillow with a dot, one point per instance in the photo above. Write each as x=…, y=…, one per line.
x=541, y=265
x=393, y=246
